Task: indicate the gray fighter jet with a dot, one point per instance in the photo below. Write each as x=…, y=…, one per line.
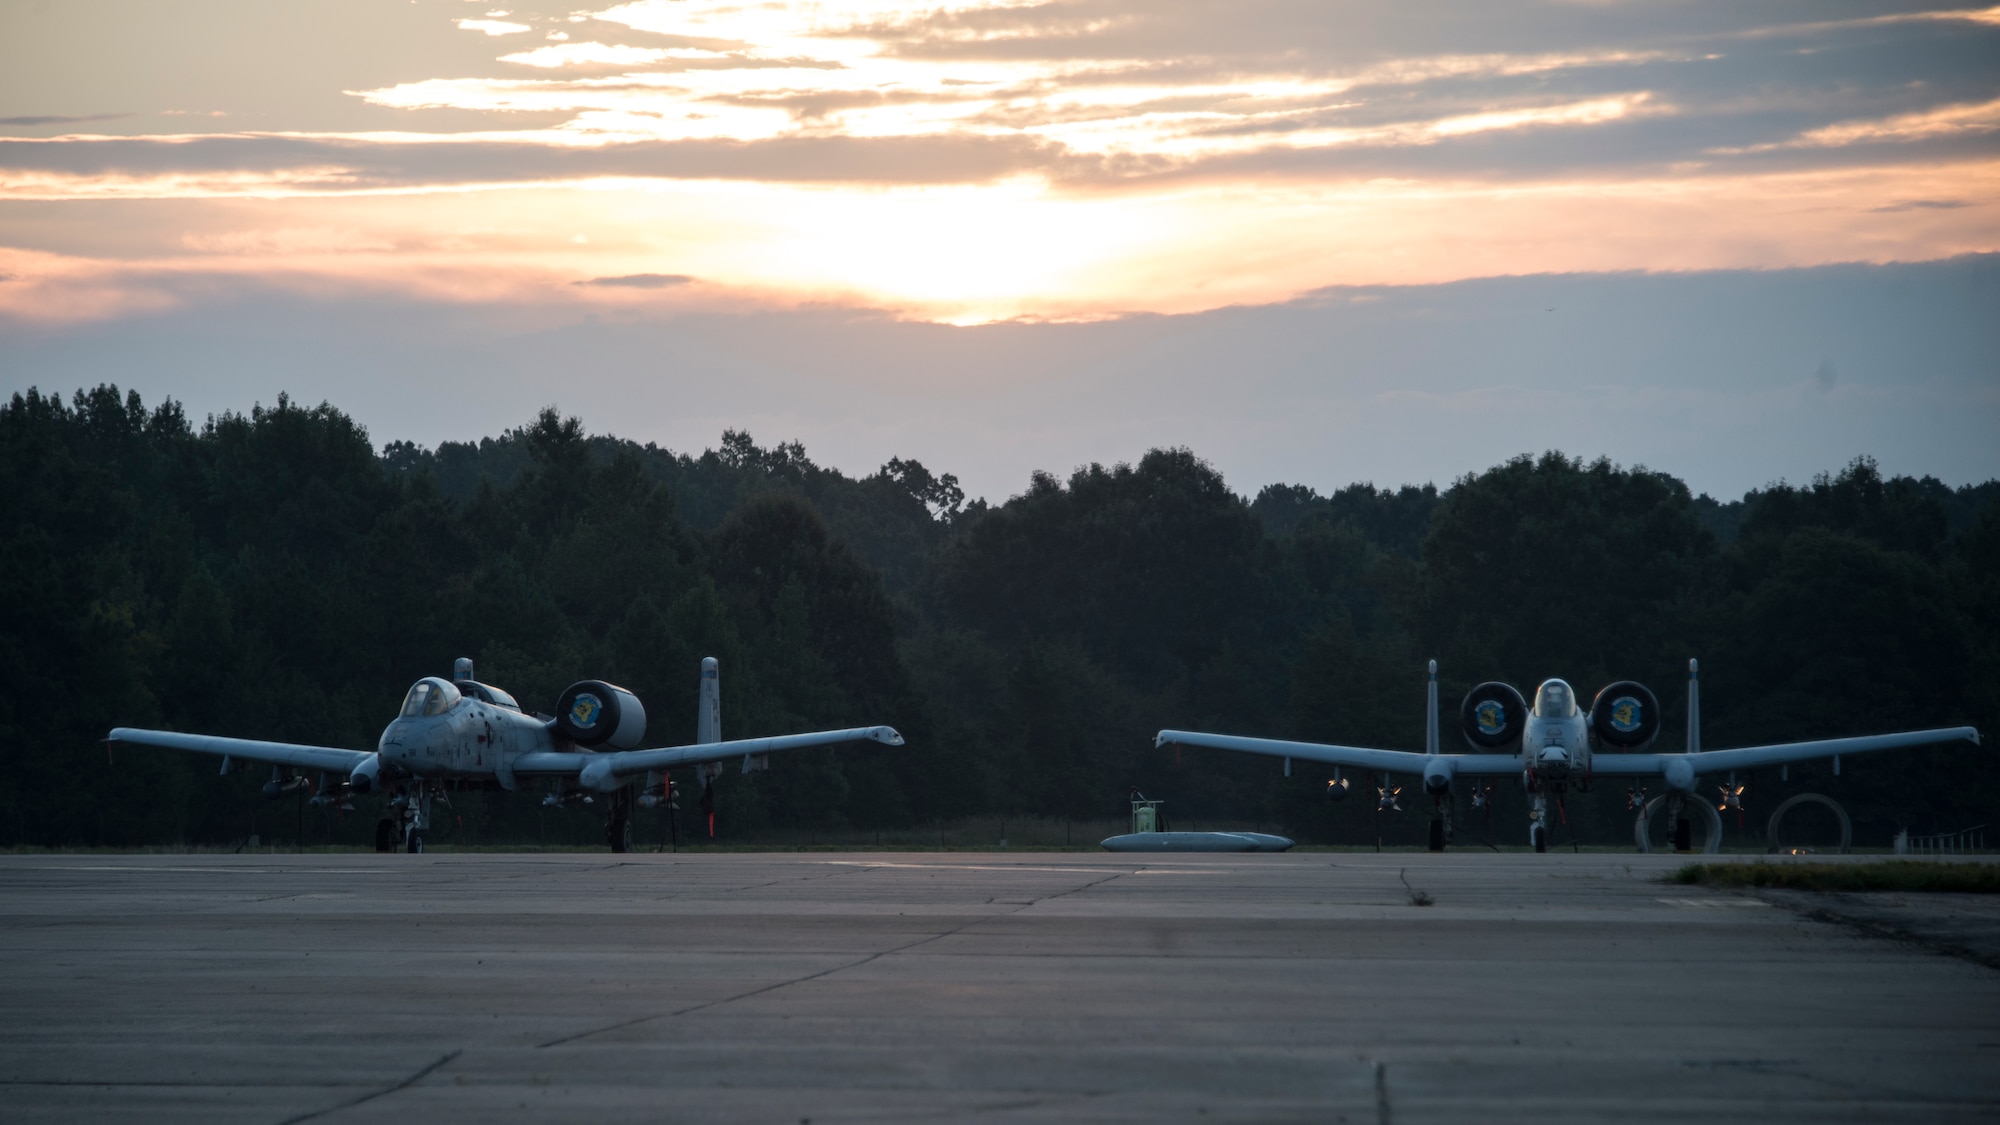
x=1558, y=744
x=460, y=733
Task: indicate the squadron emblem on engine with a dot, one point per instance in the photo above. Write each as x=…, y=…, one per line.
x=1627, y=714
x=1491, y=717
x=584, y=711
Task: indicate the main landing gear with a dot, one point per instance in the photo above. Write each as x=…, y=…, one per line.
x=1679, y=830
x=618, y=821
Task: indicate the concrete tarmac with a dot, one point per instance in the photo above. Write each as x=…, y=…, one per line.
x=824, y=987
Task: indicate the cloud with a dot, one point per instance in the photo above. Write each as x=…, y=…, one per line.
x=982, y=159
x=263, y=164
x=604, y=54
x=640, y=281
x=1963, y=119
x=1922, y=205
x=493, y=27
x=60, y=120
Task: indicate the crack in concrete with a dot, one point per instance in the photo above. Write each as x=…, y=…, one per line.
x=373, y=1094
x=706, y=1004
x=1875, y=928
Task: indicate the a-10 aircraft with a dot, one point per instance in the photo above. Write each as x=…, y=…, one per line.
x=1557, y=745
x=460, y=733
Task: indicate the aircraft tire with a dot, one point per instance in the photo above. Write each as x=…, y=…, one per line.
x=1683, y=834
x=416, y=843
x=620, y=834
x=1541, y=839
x=1437, y=835
x=385, y=835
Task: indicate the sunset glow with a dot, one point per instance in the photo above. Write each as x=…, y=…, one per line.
x=988, y=159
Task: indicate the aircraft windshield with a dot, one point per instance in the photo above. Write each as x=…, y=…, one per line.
x=427, y=697
x=1555, y=701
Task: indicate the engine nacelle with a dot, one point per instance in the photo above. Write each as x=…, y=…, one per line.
x=1493, y=717
x=1437, y=776
x=594, y=713
x=1625, y=716
x=366, y=778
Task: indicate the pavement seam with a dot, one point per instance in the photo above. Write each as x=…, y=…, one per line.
x=1382, y=1114
x=822, y=973
x=373, y=1094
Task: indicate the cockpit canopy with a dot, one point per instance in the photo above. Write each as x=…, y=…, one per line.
x=429, y=696
x=1554, y=700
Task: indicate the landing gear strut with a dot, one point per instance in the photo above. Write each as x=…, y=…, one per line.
x=1679, y=831
x=618, y=821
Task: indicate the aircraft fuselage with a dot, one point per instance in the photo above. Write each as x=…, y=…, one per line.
x=1555, y=738
x=468, y=737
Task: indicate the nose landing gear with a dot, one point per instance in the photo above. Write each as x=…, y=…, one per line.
x=408, y=822
x=1440, y=821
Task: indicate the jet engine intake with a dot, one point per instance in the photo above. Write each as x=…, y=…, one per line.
x=1625, y=716
x=594, y=713
x=1493, y=716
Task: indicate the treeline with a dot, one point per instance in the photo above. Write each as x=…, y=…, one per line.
x=272, y=575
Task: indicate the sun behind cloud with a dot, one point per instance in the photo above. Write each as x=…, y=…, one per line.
x=984, y=159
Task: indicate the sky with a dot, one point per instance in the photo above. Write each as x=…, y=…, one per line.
x=1316, y=242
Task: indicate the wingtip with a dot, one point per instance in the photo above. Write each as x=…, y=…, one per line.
x=888, y=736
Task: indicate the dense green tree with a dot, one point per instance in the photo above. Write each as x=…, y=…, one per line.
x=272, y=574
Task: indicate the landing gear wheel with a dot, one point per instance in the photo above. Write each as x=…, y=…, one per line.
x=1437, y=835
x=416, y=842
x=1683, y=834
x=619, y=833
x=385, y=835
x=1541, y=836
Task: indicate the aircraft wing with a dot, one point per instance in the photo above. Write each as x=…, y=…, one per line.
x=1601, y=764
x=1354, y=757
x=1750, y=757
x=605, y=770
x=248, y=749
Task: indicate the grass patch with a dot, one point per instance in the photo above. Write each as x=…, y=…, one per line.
x=1890, y=875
